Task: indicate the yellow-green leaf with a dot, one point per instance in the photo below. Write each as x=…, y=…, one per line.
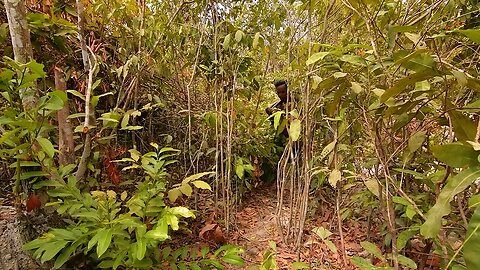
x=202, y=185
x=47, y=146
x=295, y=129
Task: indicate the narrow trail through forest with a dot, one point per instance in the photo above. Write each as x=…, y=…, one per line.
x=257, y=227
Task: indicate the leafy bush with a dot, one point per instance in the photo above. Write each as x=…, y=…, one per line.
x=113, y=229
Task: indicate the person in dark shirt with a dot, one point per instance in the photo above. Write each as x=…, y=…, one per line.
x=282, y=93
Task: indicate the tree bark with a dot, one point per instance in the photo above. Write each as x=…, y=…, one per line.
x=82, y=166
x=66, y=144
x=22, y=46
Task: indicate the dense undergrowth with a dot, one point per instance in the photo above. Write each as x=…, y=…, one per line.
x=381, y=122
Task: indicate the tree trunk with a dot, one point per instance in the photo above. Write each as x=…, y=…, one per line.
x=65, y=134
x=82, y=166
x=22, y=46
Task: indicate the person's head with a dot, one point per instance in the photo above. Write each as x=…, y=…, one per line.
x=281, y=87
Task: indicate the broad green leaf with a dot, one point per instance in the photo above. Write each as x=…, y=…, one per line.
x=135, y=154
x=36, y=68
x=104, y=240
x=160, y=232
x=327, y=150
x=316, y=57
x=173, y=194
x=141, y=248
x=51, y=249
x=464, y=127
x=202, y=185
x=64, y=256
x=373, y=249
x=402, y=84
x=186, y=189
x=472, y=34
x=182, y=211
x=461, y=77
x=356, y=87
x=405, y=236
x=295, y=129
x=474, y=201
x=226, y=42
x=233, y=259
x=372, y=186
x=300, y=265
x=422, y=86
x=455, y=155
x=407, y=262
x=330, y=245
x=47, y=146
x=322, y=232
x=334, y=177
x=416, y=141
x=472, y=242
x=238, y=35
x=354, y=59
x=454, y=186
x=239, y=170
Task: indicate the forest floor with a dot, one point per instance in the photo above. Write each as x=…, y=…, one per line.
x=257, y=226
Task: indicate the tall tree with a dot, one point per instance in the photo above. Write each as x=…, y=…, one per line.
x=22, y=46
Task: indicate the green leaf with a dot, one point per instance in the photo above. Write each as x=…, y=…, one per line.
x=474, y=201
x=47, y=146
x=226, y=41
x=276, y=119
x=373, y=249
x=186, y=189
x=405, y=236
x=135, y=154
x=372, y=186
x=316, y=57
x=455, y=155
x=141, y=248
x=454, y=186
x=295, y=129
x=52, y=249
x=36, y=68
x=356, y=87
x=64, y=256
x=365, y=264
x=406, y=261
x=182, y=211
x=322, y=232
x=334, y=177
x=104, y=240
x=238, y=35
x=233, y=259
x=472, y=242
x=196, y=176
x=354, y=59
x=202, y=185
x=300, y=265
x=402, y=84
x=256, y=40
x=96, y=84
x=77, y=94
x=173, y=194
x=464, y=127
x=472, y=34
x=416, y=141
x=330, y=245
x=160, y=233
